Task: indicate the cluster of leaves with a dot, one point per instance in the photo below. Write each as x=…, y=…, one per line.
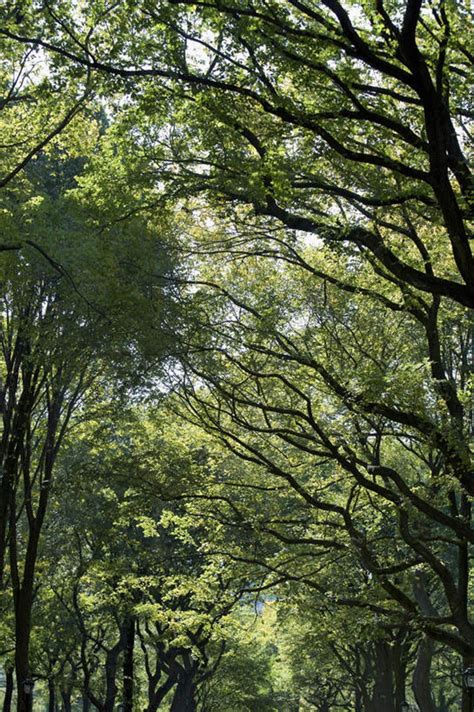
x=310, y=163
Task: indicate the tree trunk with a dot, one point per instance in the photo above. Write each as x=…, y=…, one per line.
x=51, y=696
x=66, y=698
x=23, y=606
x=467, y=703
x=358, y=701
x=128, y=667
x=7, y=700
x=184, y=696
x=111, y=676
x=4, y=502
x=442, y=705
x=384, y=694
x=158, y=694
x=399, y=664
x=421, y=676
x=22, y=649
x=23, y=598
x=364, y=678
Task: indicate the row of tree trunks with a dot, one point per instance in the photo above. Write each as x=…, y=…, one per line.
x=381, y=680
x=389, y=675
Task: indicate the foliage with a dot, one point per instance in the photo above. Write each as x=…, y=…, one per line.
x=262, y=210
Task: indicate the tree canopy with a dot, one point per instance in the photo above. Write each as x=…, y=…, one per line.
x=237, y=354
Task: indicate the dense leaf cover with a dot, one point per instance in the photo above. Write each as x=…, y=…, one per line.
x=237, y=353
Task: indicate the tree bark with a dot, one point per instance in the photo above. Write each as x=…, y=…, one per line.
x=399, y=664
x=7, y=700
x=467, y=702
x=51, y=696
x=22, y=649
x=384, y=694
x=158, y=695
x=358, y=701
x=184, y=696
x=421, y=676
x=23, y=606
x=66, y=698
x=128, y=665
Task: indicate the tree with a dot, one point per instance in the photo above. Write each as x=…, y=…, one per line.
x=300, y=390
x=62, y=346
x=30, y=117
x=384, y=70
x=355, y=136
x=144, y=615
